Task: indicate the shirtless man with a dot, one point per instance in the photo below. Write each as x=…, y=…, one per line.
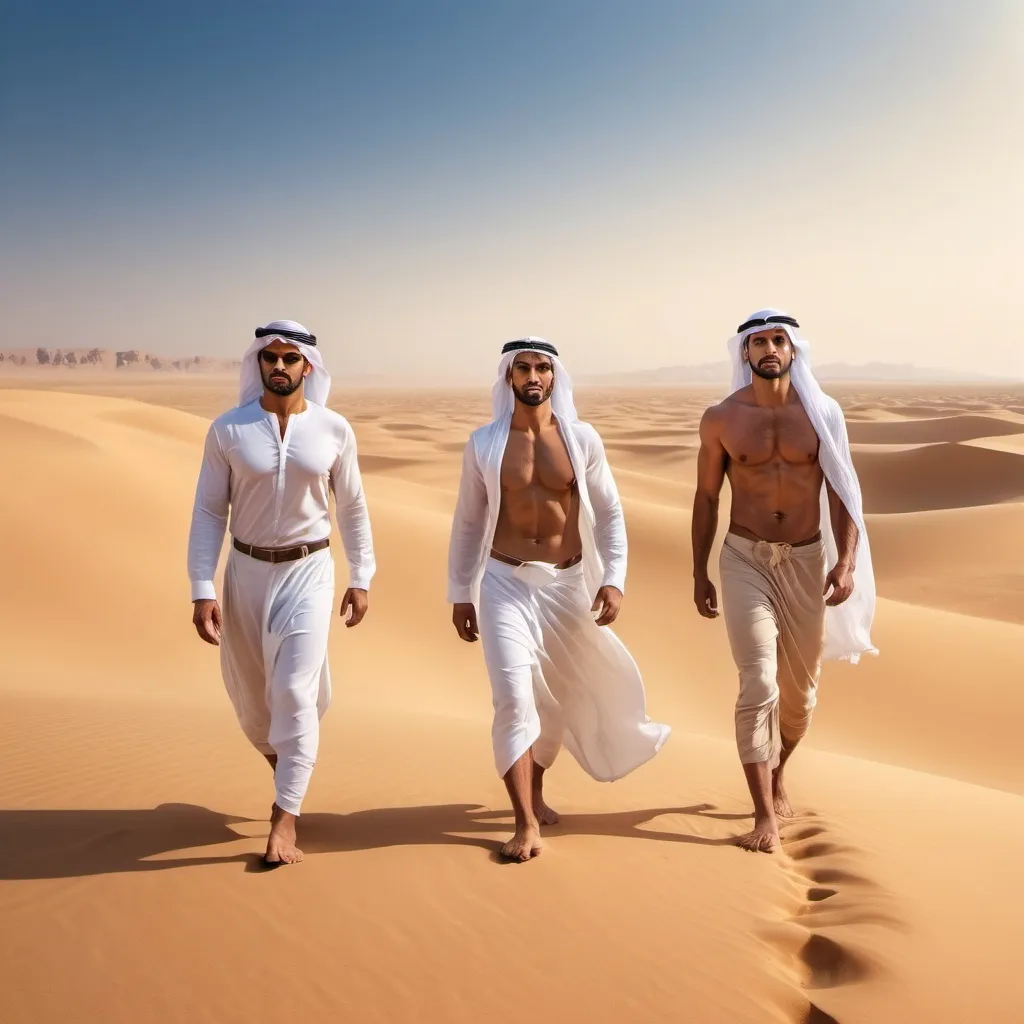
x=538, y=544
x=776, y=580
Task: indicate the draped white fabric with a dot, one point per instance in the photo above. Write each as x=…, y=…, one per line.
x=602, y=526
x=848, y=626
x=559, y=678
x=556, y=676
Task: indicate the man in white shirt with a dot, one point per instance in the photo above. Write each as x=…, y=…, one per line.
x=270, y=462
x=538, y=544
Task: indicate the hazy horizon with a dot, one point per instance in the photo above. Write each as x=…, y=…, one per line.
x=418, y=185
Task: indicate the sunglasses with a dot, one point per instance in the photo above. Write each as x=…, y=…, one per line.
x=289, y=358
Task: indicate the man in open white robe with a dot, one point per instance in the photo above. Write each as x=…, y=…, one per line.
x=556, y=676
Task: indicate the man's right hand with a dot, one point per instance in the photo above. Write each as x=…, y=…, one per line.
x=705, y=597
x=464, y=617
x=206, y=619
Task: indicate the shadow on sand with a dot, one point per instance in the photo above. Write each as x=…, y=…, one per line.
x=70, y=844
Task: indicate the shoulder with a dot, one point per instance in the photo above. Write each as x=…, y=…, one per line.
x=479, y=437
x=833, y=407
x=715, y=417
x=586, y=433
x=237, y=416
x=334, y=422
x=828, y=408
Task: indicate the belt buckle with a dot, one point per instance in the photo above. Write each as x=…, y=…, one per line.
x=305, y=550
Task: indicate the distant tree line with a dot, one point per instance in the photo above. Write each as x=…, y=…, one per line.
x=129, y=357
x=44, y=357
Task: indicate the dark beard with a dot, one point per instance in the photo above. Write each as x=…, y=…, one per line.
x=279, y=387
x=534, y=399
x=772, y=373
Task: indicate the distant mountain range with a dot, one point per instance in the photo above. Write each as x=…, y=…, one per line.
x=718, y=373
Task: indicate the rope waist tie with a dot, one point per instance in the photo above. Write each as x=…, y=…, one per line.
x=770, y=555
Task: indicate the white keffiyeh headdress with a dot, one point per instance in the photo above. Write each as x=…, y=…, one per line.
x=848, y=626
x=316, y=387
x=503, y=400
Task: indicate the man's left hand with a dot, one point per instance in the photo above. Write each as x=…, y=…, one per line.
x=607, y=603
x=355, y=602
x=840, y=580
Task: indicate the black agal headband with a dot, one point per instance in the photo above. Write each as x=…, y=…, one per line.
x=305, y=339
x=525, y=345
x=759, y=321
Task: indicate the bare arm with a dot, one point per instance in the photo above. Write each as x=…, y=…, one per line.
x=843, y=528
x=711, y=462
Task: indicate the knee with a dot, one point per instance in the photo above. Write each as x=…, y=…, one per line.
x=795, y=719
x=512, y=711
x=294, y=730
x=757, y=733
x=759, y=686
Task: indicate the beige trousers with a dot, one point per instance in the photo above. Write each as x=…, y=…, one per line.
x=774, y=612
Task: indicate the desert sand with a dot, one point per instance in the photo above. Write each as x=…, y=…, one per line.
x=134, y=812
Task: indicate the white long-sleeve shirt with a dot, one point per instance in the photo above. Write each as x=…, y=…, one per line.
x=276, y=490
x=602, y=525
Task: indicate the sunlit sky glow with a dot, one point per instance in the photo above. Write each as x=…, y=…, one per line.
x=418, y=182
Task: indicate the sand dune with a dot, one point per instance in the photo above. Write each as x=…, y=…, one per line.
x=134, y=811
x=948, y=429
x=939, y=476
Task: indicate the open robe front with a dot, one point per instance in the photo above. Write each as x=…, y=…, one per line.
x=847, y=626
x=606, y=747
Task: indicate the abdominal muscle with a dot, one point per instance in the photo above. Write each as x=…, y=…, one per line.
x=777, y=501
x=536, y=524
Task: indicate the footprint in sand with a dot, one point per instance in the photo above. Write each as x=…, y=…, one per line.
x=822, y=962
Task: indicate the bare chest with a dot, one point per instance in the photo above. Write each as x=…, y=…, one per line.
x=756, y=437
x=536, y=461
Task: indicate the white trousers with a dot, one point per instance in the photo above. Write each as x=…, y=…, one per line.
x=274, y=660
x=557, y=677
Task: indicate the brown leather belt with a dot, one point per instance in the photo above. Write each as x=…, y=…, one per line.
x=280, y=554
x=511, y=560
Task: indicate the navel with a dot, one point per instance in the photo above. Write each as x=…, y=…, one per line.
x=779, y=515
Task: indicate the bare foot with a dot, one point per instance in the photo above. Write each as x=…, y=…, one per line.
x=524, y=844
x=779, y=798
x=763, y=839
x=545, y=815
x=281, y=848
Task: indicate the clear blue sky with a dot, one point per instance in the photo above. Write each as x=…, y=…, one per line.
x=418, y=181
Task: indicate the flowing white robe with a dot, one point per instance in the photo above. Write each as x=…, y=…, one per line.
x=592, y=695
x=276, y=616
